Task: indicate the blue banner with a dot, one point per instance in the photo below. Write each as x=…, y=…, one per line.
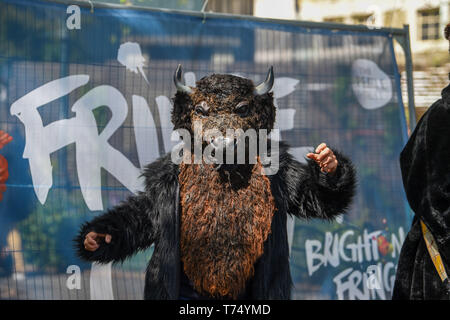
x=86, y=96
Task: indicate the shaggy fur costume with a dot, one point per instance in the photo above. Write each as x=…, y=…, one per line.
x=425, y=164
x=220, y=234
x=215, y=212
x=153, y=216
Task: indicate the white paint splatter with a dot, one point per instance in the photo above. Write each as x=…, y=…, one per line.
x=130, y=56
x=371, y=86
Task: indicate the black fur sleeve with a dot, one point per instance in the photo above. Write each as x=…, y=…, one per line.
x=130, y=225
x=135, y=223
x=313, y=194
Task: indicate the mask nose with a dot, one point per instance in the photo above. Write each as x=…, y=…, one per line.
x=222, y=142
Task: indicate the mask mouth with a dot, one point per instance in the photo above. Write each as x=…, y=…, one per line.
x=220, y=145
x=222, y=142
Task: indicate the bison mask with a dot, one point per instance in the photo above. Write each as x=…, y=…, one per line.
x=220, y=102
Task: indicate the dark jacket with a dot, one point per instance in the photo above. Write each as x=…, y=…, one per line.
x=153, y=216
x=425, y=165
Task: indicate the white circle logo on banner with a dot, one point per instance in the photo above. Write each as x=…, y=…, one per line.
x=371, y=86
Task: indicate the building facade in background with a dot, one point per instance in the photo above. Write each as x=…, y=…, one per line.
x=426, y=18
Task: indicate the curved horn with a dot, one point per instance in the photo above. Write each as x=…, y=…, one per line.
x=177, y=80
x=265, y=86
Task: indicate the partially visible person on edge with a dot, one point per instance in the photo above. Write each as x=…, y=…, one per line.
x=425, y=165
x=4, y=140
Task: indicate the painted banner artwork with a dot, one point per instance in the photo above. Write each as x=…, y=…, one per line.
x=86, y=96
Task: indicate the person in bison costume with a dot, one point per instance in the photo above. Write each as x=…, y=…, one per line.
x=220, y=230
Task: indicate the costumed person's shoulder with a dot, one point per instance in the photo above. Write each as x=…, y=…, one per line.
x=437, y=118
x=160, y=173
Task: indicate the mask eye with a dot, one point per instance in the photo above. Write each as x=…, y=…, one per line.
x=201, y=109
x=242, y=109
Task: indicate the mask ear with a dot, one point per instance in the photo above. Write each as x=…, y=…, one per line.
x=267, y=85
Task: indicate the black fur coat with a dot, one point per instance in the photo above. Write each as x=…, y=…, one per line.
x=425, y=165
x=153, y=216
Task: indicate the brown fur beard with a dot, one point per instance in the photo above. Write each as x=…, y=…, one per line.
x=224, y=222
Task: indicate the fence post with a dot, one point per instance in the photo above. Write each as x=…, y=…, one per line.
x=409, y=78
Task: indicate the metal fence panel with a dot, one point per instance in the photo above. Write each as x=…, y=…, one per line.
x=105, y=88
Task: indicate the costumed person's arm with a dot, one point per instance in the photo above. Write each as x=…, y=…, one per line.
x=120, y=232
x=323, y=188
x=132, y=225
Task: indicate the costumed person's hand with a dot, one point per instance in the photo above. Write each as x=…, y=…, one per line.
x=93, y=239
x=4, y=138
x=325, y=158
